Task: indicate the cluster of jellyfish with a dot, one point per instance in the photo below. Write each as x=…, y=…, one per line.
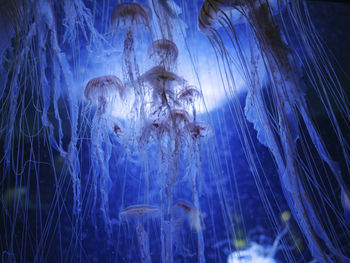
x=104, y=140
x=163, y=113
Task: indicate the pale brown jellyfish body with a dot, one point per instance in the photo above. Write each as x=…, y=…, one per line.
x=163, y=52
x=187, y=97
x=278, y=129
x=168, y=127
x=101, y=91
x=137, y=214
x=184, y=210
x=132, y=18
x=163, y=83
x=129, y=14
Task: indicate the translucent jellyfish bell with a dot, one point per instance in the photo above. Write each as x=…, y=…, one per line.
x=129, y=14
x=102, y=90
x=136, y=212
x=158, y=76
x=163, y=52
x=163, y=82
x=188, y=95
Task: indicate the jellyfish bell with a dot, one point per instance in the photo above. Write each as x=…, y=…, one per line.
x=164, y=127
x=159, y=77
x=133, y=19
x=163, y=52
x=188, y=95
x=286, y=216
x=102, y=91
x=132, y=23
x=130, y=14
x=136, y=212
x=190, y=98
x=163, y=83
x=214, y=14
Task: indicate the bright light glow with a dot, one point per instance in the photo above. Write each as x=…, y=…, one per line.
x=254, y=253
x=205, y=76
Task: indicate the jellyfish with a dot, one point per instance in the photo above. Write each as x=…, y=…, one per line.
x=163, y=52
x=169, y=125
x=138, y=214
x=130, y=17
x=163, y=85
x=197, y=131
x=67, y=147
x=102, y=92
x=276, y=119
x=188, y=97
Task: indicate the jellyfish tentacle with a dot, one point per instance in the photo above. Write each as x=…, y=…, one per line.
x=283, y=137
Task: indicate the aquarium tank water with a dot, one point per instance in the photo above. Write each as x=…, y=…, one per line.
x=174, y=131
